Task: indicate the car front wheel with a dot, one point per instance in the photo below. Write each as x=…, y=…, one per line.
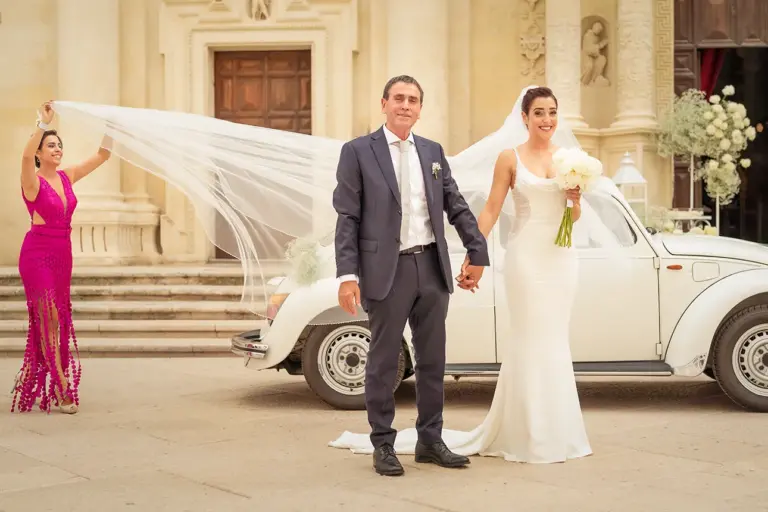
x=740, y=361
x=333, y=362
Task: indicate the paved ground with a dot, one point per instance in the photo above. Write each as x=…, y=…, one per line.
x=204, y=434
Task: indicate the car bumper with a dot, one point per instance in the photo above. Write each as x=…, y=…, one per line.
x=249, y=344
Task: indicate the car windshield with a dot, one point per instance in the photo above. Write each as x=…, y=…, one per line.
x=613, y=217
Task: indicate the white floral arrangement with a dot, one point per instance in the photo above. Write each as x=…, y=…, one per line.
x=727, y=134
x=304, y=259
x=683, y=130
x=661, y=219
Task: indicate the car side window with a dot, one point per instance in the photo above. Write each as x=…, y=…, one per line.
x=617, y=226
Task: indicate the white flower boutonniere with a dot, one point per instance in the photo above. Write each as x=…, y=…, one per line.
x=436, y=169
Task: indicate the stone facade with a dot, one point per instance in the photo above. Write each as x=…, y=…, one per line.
x=609, y=62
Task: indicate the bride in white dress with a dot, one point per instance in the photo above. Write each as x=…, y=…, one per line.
x=535, y=416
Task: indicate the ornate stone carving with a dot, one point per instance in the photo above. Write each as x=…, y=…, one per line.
x=665, y=53
x=259, y=9
x=636, y=76
x=563, y=22
x=532, y=42
x=594, y=55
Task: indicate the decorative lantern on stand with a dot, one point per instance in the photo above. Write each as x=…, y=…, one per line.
x=633, y=186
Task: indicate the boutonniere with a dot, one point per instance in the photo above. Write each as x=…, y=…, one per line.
x=436, y=169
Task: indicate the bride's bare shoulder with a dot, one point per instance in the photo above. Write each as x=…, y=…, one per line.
x=508, y=158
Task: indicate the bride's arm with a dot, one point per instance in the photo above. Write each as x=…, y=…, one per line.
x=503, y=174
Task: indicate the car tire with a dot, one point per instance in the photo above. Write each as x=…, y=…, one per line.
x=338, y=378
x=740, y=362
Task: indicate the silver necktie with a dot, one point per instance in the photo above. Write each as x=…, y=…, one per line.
x=405, y=191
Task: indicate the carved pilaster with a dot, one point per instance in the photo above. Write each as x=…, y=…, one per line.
x=564, y=57
x=532, y=41
x=637, y=70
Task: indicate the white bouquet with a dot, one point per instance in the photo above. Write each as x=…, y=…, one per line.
x=574, y=168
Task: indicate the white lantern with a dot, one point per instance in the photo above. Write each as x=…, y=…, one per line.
x=633, y=186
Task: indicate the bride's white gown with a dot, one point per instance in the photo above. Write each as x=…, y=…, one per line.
x=535, y=416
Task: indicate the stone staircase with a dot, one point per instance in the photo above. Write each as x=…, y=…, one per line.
x=132, y=310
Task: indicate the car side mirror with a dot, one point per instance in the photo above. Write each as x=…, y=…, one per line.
x=652, y=231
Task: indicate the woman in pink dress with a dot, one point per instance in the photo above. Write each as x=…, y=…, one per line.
x=50, y=372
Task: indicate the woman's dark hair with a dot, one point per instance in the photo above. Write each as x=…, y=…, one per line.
x=46, y=133
x=532, y=94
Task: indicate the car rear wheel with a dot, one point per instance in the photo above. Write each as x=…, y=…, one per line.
x=333, y=362
x=740, y=361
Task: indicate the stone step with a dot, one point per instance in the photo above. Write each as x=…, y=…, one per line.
x=143, y=292
x=212, y=274
x=144, y=329
x=146, y=310
x=132, y=347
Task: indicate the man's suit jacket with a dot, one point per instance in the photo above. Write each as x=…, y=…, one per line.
x=367, y=201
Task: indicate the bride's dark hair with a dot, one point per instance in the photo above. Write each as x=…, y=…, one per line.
x=532, y=94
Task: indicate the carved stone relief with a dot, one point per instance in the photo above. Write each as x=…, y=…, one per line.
x=594, y=52
x=532, y=42
x=259, y=9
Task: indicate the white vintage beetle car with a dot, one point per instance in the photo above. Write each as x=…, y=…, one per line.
x=679, y=305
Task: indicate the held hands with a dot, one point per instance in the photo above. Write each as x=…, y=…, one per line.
x=349, y=297
x=469, y=278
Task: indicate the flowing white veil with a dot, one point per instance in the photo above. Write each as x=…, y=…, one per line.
x=272, y=187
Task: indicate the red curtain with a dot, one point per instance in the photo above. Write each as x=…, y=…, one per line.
x=711, y=65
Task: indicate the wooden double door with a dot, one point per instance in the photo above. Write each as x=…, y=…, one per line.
x=702, y=25
x=272, y=89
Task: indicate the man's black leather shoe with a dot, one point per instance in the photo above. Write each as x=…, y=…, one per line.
x=439, y=454
x=385, y=461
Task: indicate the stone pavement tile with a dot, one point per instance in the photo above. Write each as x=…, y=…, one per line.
x=151, y=491
x=710, y=485
x=19, y=472
x=91, y=453
x=660, y=440
x=494, y=489
x=642, y=498
x=739, y=426
x=611, y=467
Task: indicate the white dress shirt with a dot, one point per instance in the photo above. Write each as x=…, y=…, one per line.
x=420, y=229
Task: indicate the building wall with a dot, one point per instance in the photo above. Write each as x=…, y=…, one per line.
x=472, y=57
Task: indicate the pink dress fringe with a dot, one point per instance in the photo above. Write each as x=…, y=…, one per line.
x=45, y=266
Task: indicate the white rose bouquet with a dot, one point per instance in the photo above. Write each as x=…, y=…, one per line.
x=574, y=168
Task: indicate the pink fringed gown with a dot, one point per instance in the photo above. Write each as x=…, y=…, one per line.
x=45, y=265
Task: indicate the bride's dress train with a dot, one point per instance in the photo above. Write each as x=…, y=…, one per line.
x=535, y=416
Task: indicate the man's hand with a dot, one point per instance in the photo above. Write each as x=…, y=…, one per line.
x=349, y=297
x=470, y=276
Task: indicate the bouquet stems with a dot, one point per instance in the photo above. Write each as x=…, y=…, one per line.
x=564, y=238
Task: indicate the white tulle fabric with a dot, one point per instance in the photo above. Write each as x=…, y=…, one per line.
x=255, y=190
x=535, y=416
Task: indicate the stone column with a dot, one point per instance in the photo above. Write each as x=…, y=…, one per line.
x=134, y=86
x=563, y=68
x=417, y=35
x=103, y=226
x=636, y=83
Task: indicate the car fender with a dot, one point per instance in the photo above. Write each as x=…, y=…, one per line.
x=316, y=304
x=691, y=340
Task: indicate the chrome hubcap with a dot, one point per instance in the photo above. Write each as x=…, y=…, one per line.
x=750, y=360
x=342, y=357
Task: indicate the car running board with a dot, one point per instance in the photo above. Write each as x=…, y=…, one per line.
x=619, y=368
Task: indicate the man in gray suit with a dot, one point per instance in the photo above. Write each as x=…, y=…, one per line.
x=392, y=189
